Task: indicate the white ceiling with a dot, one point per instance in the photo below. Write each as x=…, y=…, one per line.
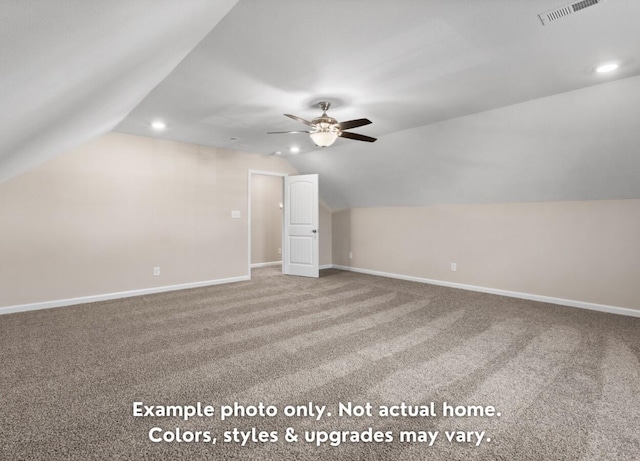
x=460, y=93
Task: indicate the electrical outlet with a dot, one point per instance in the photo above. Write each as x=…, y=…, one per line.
x=156, y=271
x=279, y=251
x=235, y=214
x=454, y=267
x=350, y=255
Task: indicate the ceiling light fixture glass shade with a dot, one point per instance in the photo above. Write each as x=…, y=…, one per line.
x=324, y=138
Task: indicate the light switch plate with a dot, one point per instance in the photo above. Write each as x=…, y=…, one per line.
x=235, y=214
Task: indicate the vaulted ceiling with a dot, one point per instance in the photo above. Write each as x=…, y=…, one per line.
x=470, y=101
x=72, y=70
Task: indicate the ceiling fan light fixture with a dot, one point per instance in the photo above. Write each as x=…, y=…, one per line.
x=325, y=130
x=324, y=138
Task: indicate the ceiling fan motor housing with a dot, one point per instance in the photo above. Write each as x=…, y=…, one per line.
x=326, y=123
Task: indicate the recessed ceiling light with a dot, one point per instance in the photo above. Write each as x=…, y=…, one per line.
x=604, y=68
x=295, y=149
x=158, y=125
x=278, y=152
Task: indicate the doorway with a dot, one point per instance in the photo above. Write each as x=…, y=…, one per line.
x=283, y=222
x=266, y=208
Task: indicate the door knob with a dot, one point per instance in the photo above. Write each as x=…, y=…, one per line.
x=314, y=231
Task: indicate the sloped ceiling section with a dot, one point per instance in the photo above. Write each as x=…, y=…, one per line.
x=72, y=70
x=579, y=145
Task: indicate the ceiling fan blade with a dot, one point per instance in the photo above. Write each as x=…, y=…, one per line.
x=295, y=117
x=354, y=123
x=286, y=132
x=357, y=137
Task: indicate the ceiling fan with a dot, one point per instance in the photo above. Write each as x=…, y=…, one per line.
x=325, y=130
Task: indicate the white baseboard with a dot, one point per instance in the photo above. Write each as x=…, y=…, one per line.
x=272, y=263
x=495, y=291
x=117, y=295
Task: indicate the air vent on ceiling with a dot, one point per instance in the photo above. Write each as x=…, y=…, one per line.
x=566, y=10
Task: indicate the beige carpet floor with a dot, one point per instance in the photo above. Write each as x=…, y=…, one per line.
x=565, y=381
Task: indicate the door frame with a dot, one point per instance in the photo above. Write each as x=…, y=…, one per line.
x=250, y=173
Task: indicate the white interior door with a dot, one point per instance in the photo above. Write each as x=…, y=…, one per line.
x=301, y=219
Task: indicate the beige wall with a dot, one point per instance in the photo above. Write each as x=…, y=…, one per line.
x=98, y=219
x=583, y=251
x=325, y=235
x=266, y=218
